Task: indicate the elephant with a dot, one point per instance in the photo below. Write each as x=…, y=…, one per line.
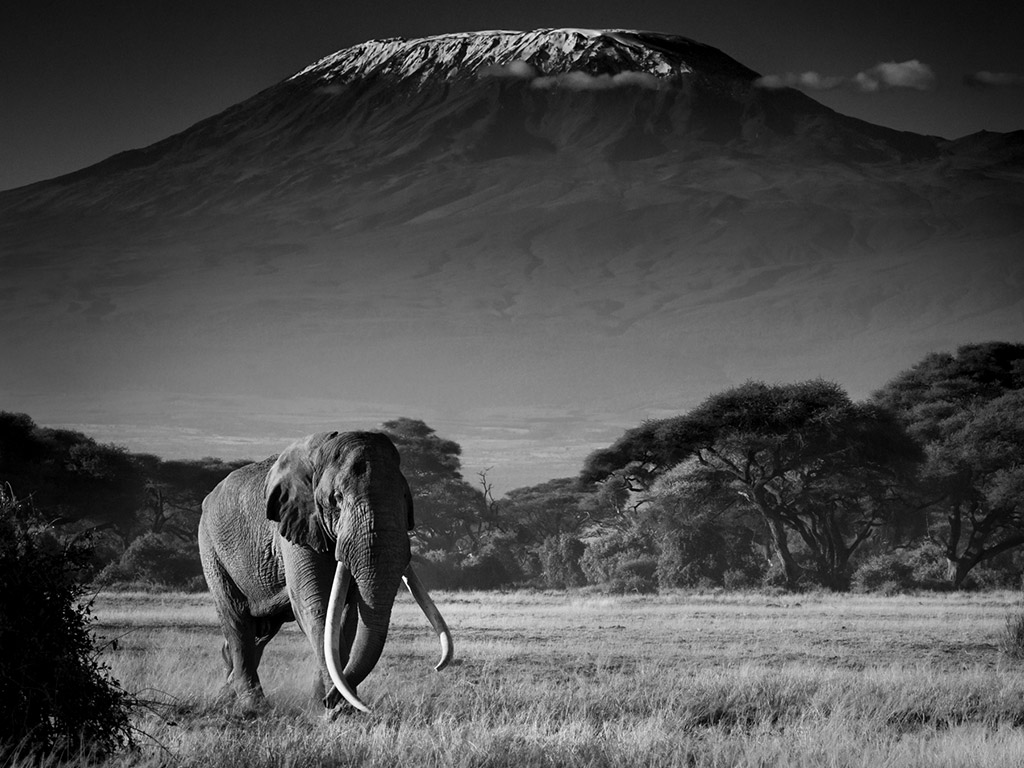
x=318, y=535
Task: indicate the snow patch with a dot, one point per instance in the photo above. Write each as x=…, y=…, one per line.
x=502, y=53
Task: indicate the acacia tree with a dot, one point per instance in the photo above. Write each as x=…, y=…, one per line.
x=174, y=491
x=983, y=463
x=450, y=513
x=968, y=411
x=70, y=478
x=703, y=527
x=102, y=491
x=802, y=456
x=553, y=508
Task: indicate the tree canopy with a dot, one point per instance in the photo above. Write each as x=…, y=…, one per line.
x=803, y=456
x=448, y=510
x=966, y=408
x=103, y=490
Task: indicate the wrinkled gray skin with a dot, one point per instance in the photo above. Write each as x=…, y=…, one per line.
x=272, y=534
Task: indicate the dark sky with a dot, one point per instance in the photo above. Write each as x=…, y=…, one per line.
x=80, y=81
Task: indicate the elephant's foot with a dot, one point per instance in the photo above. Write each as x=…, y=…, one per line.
x=243, y=700
x=336, y=706
x=341, y=712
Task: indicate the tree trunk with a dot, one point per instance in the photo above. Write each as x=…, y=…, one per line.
x=778, y=536
x=957, y=570
x=954, y=568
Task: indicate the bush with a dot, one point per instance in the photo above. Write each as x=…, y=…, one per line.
x=635, y=575
x=499, y=561
x=622, y=561
x=56, y=698
x=155, y=559
x=1012, y=641
x=690, y=554
x=560, y=561
x=439, y=570
x=929, y=564
x=735, y=579
x=901, y=570
x=888, y=572
x=497, y=564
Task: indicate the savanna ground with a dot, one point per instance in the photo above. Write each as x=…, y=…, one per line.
x=587, y=680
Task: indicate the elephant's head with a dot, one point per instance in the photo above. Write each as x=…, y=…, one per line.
x=344, y=493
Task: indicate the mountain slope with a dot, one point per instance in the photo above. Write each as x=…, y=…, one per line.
x=544, y=235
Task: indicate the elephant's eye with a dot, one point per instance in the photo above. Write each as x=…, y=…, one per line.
x=358, y=467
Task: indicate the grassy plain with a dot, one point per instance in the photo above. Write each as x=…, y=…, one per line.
x=552, y=679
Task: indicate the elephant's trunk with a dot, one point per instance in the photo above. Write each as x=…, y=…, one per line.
x=372, y=600
x=359, y=613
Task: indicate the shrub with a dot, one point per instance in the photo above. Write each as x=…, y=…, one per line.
x=560, y=561
x=900, y=570
x=154, y=559
x=699, y=555
x=1012, y=641
x=497, y=564
x=56, y=698
x=735, y=579
x=499, y=561
x=692, y=553
x=439, y=570
x=486, y=571
x=634, y=575
x=929, y=563
x=622, y=561
x=888, y=572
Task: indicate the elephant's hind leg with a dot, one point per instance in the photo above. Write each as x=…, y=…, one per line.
x=242, y=638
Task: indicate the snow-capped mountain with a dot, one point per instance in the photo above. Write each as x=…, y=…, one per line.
x=610, y=224
x=387, y=105
x=548, y=52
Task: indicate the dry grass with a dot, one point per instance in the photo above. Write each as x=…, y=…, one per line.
x=553, y=680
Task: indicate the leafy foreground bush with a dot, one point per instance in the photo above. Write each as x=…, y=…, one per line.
x=55, y=697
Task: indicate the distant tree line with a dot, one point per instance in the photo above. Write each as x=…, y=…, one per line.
x=139, y=513
x=791, y=485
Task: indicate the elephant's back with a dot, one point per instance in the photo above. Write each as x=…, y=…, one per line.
x=242, y=490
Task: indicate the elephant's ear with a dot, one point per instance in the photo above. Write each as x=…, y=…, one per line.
x=290, y=498
x=408, y=504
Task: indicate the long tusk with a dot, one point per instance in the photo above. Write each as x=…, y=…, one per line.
x=332, y=636
x=433, y=615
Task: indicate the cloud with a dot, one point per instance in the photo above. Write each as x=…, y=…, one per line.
x=581, y=81
x=886, y=75
x=985, y=79
x=514, y=70
x=890, y=74
x=573, y=81
x=809, y=81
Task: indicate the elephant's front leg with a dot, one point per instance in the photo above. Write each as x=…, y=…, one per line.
x=309, y=577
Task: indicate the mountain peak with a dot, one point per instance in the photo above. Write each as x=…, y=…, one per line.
x=536, y=53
